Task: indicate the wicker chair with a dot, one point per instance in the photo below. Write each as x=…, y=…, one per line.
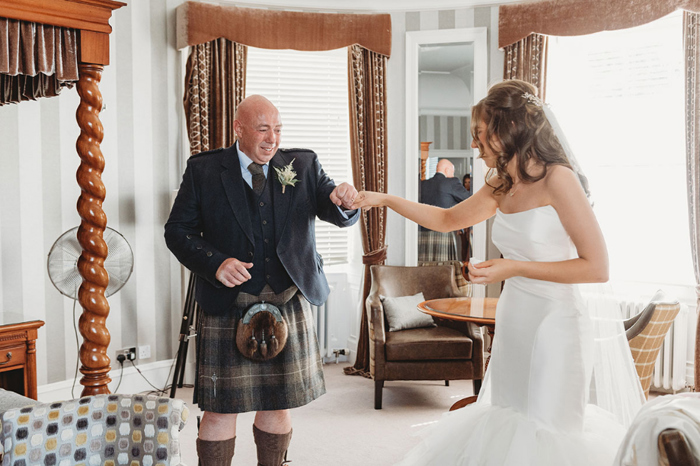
x=646, y=332
x=450, y=351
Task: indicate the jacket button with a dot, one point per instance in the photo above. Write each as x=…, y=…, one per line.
x=262, y=204
x=267, y=259
x=266, y=240
x=209, y=254
x=267, y=276
x=188, y=236
x=199, y=246
x=250, y=253
x=264, y=222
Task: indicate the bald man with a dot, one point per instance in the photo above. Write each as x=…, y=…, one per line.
x=442, y=190
x=248, y=235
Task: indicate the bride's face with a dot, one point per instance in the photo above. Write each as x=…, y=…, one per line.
x=485, y=152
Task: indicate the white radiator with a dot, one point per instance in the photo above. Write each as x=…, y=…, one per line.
x=673, y=370
x=321, y=322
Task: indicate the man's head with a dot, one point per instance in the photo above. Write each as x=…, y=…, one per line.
x=258, y=126
x=445, y=167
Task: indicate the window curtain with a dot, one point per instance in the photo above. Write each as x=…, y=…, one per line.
x=526, y=60
x=692, y=139
x=215, y=85
x=576, y=18
x=367, y=94
x=36, y=60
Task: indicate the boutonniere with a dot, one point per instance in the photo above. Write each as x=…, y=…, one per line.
x=286, y=175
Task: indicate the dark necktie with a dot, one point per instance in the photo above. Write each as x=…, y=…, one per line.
x=258, y=177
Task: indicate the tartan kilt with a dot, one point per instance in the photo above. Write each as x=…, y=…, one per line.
x=436, y=246
x=228, y=382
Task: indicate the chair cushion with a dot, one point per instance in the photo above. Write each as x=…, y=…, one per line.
x=402, y=312
x=95, y=429
x=428, y=343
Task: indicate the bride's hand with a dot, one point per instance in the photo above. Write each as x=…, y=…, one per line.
x=367, y=199
x=491, y=271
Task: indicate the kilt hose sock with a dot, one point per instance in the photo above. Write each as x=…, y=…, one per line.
x=215, y=452
x=272, y=448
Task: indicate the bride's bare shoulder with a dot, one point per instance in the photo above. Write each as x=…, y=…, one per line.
x=562, y=183
x=557, y=174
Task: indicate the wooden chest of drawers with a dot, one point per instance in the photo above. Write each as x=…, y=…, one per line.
x=18, y=357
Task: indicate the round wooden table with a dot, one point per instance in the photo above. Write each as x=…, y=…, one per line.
x=481, y=311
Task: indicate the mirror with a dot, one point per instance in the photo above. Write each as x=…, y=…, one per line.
x=446, y=73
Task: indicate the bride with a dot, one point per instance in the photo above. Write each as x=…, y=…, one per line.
x=534, y=407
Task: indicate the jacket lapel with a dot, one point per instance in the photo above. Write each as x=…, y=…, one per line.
x=234, y=186
x=281, y=202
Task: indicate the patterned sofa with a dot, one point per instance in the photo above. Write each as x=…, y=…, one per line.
x=109, y=430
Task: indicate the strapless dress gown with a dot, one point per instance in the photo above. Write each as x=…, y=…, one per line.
x=533, y=408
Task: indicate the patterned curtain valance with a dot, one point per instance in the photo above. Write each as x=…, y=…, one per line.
x=198, y=23
x=36, y=60
x=574, y=17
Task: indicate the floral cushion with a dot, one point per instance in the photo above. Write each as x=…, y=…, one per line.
x=109, y=430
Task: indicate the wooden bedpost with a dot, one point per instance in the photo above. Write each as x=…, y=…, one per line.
x=93, y=352
x=91, y=19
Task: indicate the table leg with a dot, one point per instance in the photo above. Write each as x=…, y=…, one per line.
x=490, y=329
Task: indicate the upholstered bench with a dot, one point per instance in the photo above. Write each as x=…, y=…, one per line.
x=108, y=430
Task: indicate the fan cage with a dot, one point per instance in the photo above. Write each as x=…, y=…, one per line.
x=62, y=262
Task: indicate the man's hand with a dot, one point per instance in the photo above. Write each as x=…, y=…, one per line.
x=344, y=195
x=233, y=272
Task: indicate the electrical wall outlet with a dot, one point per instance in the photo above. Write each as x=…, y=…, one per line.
x=144, y=352
x=126, y=353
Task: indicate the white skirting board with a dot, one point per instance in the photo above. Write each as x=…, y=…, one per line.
x=158, y=373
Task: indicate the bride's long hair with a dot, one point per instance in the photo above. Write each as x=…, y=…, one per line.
x=515, y=117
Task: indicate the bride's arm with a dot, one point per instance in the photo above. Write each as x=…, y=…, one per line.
x=477, y=208
x=577, y=217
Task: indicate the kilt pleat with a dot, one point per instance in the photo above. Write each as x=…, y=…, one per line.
x=228, y=382
x=436, y=246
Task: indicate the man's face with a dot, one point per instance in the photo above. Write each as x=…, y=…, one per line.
x=259, y=131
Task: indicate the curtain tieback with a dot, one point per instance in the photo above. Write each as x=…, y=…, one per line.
x=378, y=256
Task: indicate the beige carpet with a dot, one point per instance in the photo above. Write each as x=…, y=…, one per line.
x=342, y=427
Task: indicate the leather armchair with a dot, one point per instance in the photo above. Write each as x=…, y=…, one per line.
x=450, y=351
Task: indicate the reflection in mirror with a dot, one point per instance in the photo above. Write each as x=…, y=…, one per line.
x=445, y=98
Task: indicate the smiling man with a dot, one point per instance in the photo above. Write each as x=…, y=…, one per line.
x=247, y=232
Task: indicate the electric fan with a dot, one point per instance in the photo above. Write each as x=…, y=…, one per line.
x=63, y=262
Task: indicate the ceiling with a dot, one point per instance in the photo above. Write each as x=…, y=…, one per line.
x=445, y=58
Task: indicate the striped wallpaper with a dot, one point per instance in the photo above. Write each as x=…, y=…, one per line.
x=38, y=193
x=445, y=132
x=142, y=148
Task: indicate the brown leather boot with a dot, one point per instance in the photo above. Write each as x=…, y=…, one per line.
x=272, y=448
x=215, y=452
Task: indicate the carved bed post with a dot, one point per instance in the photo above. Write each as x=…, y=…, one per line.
x=91, y=19
x=93, y=351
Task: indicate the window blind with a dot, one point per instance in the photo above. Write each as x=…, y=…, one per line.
x=310, y=89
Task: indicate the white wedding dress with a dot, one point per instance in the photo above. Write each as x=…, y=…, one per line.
x=533, y=408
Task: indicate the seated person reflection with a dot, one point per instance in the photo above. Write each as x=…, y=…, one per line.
x=442, y=190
